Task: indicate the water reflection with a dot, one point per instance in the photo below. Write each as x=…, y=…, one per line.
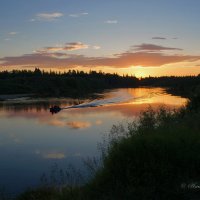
x=38, y=105
x=31, y=139
x=126, y=103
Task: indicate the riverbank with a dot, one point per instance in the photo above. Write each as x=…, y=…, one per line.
x=157, y=158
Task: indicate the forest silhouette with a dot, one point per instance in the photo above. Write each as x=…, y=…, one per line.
x=74, y=83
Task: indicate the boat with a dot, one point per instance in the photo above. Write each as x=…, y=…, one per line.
x=55, y=109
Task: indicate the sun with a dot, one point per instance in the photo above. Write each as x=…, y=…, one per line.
x=138, y=71
x=140, y=74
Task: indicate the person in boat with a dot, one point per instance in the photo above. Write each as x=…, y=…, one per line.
x=55, y=109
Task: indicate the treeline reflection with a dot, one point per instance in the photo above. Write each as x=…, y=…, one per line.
x=37, y=105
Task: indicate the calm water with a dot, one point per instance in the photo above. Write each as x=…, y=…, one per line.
x=32, y=139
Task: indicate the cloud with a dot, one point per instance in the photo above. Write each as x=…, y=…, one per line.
x=111, y=22
x=98, y=122
x=148, y=55
x=75, y=46
x=54, y=155
x=153, y=47
x=56, y=122
x=78, y=124
x=144, y=59
x=67, y=47
x=48, y=49
x=51, y=154
x=123, y=60
x=13, y=33
x=96, y=47
x=159, y=38
x=48, y=16
x=75, y=15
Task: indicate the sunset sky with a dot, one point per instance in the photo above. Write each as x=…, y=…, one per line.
x=140, y=37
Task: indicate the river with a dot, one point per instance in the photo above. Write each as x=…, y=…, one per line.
x=32, y=140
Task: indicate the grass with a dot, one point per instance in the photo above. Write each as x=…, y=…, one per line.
x=157, y=158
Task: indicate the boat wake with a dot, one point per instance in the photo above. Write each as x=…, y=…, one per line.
x=111, y=98
x=116, y=98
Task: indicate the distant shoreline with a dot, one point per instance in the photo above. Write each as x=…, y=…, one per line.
x=5, y=97
x=78, y=84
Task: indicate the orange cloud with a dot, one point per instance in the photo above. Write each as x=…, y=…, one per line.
x=98, y=122
x=67, y=47
x=78, y=124
x=146, y=55
x=75, y=46
x=57, y=122
x=51, y=155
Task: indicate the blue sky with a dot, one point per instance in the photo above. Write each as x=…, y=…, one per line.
x=64, y=34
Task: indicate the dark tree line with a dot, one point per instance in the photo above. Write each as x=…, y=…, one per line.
x=78, y=83
x=180, y=85
x=72, y=83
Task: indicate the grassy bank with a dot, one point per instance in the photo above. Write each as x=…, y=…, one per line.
x=157, y=158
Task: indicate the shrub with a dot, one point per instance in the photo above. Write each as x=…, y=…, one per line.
x=158, y=159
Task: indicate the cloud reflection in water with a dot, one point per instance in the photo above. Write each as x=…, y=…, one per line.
x=83, y=118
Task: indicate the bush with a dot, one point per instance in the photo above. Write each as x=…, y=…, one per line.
x=158, y=159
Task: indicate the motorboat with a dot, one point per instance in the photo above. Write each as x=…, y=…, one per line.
x=55, y=109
